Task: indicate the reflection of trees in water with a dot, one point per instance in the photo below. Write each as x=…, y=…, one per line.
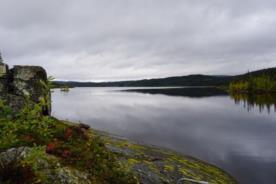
x=264, y=102
x=193, y=92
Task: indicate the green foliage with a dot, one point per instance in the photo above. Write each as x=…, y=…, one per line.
x=79, y=149
x=5, y=111
x=46, y=93
x=258, y=84
x=239, y=86
x=36, y=155
x=8, y=136
x=29, y=126
x=7, y=127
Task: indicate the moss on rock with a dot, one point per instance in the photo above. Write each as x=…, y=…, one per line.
x=157, y=165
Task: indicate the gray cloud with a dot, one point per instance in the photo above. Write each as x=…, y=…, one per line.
x=131, y=39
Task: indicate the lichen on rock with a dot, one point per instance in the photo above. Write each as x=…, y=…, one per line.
x=154, y=165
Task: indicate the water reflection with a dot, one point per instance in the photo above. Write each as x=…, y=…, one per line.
x=263, y=102
x=193, y=92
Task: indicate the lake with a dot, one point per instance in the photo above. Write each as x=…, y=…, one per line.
x=235, y=133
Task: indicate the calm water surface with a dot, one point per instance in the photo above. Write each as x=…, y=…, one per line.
x=210, y=126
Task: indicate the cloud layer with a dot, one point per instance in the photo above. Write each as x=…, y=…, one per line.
x=98, y=40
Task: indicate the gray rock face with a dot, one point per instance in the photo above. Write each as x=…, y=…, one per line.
x=13, y=155
x=22, y=81
x=26, y=80
x=47, y=166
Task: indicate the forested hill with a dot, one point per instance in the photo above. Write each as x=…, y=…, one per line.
x=190, y=80
x=271, y=72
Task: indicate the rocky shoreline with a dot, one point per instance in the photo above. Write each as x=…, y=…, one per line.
x=155, y=165
x=147, y=164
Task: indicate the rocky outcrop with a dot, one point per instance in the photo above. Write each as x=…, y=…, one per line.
x=154, y=165
x=20, y=82
x=48, y=168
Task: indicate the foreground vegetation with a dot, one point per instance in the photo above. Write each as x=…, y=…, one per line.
x=46, y=150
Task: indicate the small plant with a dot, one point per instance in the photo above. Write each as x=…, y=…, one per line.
x=45, y=100
x=5, y=111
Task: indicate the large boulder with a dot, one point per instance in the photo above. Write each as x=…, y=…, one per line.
x=23, y=81
x=26, y=81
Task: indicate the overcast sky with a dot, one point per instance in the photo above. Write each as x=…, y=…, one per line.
x=99, y=40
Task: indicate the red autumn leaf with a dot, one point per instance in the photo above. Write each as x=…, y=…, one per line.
x=51, y=148
x=66, y=153
x=68, y=133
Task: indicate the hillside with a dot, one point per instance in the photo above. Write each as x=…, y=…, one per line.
x=271, y=72
x=190, y=80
